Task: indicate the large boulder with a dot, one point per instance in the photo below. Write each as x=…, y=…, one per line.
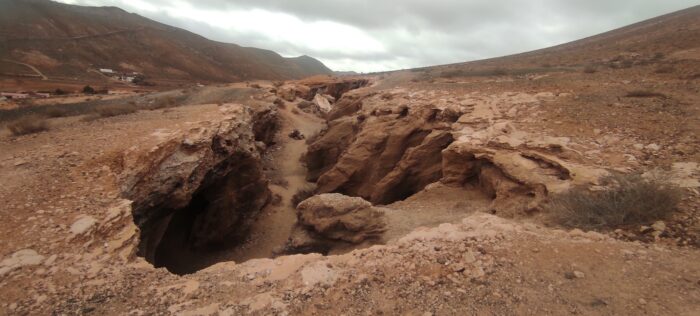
x=322, y=103
x=340, y=217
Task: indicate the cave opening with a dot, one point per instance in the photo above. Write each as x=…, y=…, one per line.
x=189, y=239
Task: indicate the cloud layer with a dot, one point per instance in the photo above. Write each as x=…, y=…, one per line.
x=377, y=35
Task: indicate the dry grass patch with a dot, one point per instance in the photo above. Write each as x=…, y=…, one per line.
x=111, y=110
x=302, y=194
x=57, y=111
x=590, y=69
x=645, y=94
x=116, y=110
x=630, y=200
x=163, y=102
x=28, y=125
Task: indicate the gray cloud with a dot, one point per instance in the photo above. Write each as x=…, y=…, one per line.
x=420, y=33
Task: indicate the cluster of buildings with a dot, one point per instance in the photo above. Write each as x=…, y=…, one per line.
x=122, y=76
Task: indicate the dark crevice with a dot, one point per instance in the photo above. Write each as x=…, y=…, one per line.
x=216, y=218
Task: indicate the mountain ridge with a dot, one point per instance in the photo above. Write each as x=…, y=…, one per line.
x=65, y=40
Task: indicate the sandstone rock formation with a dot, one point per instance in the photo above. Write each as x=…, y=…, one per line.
x=209, y=177
x=386, y=147
x=340, y=217
x=375, y=153
x=19, y=259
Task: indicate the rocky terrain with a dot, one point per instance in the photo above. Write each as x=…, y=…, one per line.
x=418, y=192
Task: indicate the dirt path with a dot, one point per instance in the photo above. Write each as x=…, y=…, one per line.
x=38, y=72
x=264, y=241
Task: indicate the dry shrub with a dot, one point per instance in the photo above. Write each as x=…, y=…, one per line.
x=664, y=70
x=631, y=200
x=590, y=70
x=162, y=103
x=57, y=111
x=115, y=110
x=645, y=94
x=28, y=125
x=280, y=103
x=302, y=194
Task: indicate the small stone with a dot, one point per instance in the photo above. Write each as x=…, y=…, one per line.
x=642, y=301
x=574, y=275
x=82, y=225
x=469, y=257
x=21, y=258
x=576, y=233
x=659, y=226
x=653, y=147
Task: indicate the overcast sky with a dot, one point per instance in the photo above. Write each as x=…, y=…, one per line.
x=377, y=35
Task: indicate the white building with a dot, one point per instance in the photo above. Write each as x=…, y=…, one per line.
x=106, y=71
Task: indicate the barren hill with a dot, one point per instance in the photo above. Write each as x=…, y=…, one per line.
x=677, y=32
x=64, y=41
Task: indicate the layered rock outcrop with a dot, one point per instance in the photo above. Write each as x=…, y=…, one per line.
x=202, y=186
x=386, y=146
x=381, y=153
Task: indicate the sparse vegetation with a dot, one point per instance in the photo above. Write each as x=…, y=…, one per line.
x=590, y=69
x=28, y=125
x=302, y=194
x=88, y=90
x=474, y=73
x=115, y=110
x=498, y=71
x=631, y=200
x=162, y=103
x=645, y=94
x=57, y=111
x=664, y=70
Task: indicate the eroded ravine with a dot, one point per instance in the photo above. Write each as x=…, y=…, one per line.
x=272, y=228
x=422, y=163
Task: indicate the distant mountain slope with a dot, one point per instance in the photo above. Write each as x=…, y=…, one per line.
x=65, y=41
x=674, y=35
